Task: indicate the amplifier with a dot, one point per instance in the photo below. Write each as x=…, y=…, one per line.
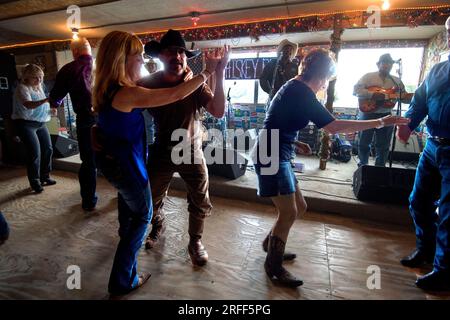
x=310, y=135
x=383, y=184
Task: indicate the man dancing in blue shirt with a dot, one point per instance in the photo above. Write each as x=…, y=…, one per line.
x=430, y=198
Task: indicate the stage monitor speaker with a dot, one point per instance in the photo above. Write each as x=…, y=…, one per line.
x=407, y=152
x=310, y=135
x=231, y=164
x=64, y=147
x=382, y=184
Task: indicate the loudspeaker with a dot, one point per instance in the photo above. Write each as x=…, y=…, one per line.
x=310, y=135
x=406, y=152
x=381, y=184
x=223, y=162
x=64, y=147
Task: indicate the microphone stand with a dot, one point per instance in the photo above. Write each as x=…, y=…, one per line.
x=227, y=117
x=399, y=109
x=228, y=107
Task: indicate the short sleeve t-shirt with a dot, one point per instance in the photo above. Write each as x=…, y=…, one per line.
x=291, y=109
x=24, y=93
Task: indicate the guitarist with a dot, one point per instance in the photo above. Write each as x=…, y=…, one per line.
x=383, y=80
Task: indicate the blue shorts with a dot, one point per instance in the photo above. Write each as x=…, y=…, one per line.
x=282, y=183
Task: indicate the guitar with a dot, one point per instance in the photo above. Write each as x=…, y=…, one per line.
x=392, y=95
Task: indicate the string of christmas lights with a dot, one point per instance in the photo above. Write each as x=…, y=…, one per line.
x=348, y=20
x=411, y=17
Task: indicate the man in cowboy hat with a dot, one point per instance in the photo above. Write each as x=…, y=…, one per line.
x=384, y=80
x=277, y=72
x=184, y=114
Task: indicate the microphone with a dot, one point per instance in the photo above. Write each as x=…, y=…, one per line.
x=228, y=93
x=398, y=61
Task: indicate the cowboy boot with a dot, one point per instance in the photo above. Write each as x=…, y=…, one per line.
x=287, y=256
x=197, y=252
x=273, y=266
x=158, y=227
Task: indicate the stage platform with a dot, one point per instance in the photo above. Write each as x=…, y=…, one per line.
x=328, y=191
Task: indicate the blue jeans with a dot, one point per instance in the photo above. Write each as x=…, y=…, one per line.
x=383, y=138
x=87, y=175
x=39, y=148
x=431, y=191
x=135, y=213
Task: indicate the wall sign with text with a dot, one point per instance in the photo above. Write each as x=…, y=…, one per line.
x=245, y=68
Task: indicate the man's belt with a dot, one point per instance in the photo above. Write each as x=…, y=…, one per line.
x=444, y=141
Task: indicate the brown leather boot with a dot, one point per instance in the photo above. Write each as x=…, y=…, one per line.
x=197, y=252
x=287, y=256
x=273, y=266
x=158, y=227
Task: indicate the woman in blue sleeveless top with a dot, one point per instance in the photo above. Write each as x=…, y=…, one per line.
x=291, y=109
x=121, y=131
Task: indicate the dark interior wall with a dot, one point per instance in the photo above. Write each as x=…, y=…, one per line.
x=46, y=60
x=43, y=55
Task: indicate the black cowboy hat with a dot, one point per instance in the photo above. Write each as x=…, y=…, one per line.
x=172, y=38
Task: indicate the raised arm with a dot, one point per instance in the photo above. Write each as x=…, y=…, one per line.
x=129, y=98
x=216, y=106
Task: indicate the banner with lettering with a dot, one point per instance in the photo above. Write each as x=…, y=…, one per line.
x=245, y=68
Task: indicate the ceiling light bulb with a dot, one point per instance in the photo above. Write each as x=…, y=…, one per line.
x=195, y=17
x=386, y=5
x=75, y=34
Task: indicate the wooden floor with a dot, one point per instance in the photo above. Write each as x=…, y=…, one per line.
x=329, y=190
x=49, y=232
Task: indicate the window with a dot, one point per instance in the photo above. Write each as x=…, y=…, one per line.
x=241, y=91
x=247, y=91
x=354, y=63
